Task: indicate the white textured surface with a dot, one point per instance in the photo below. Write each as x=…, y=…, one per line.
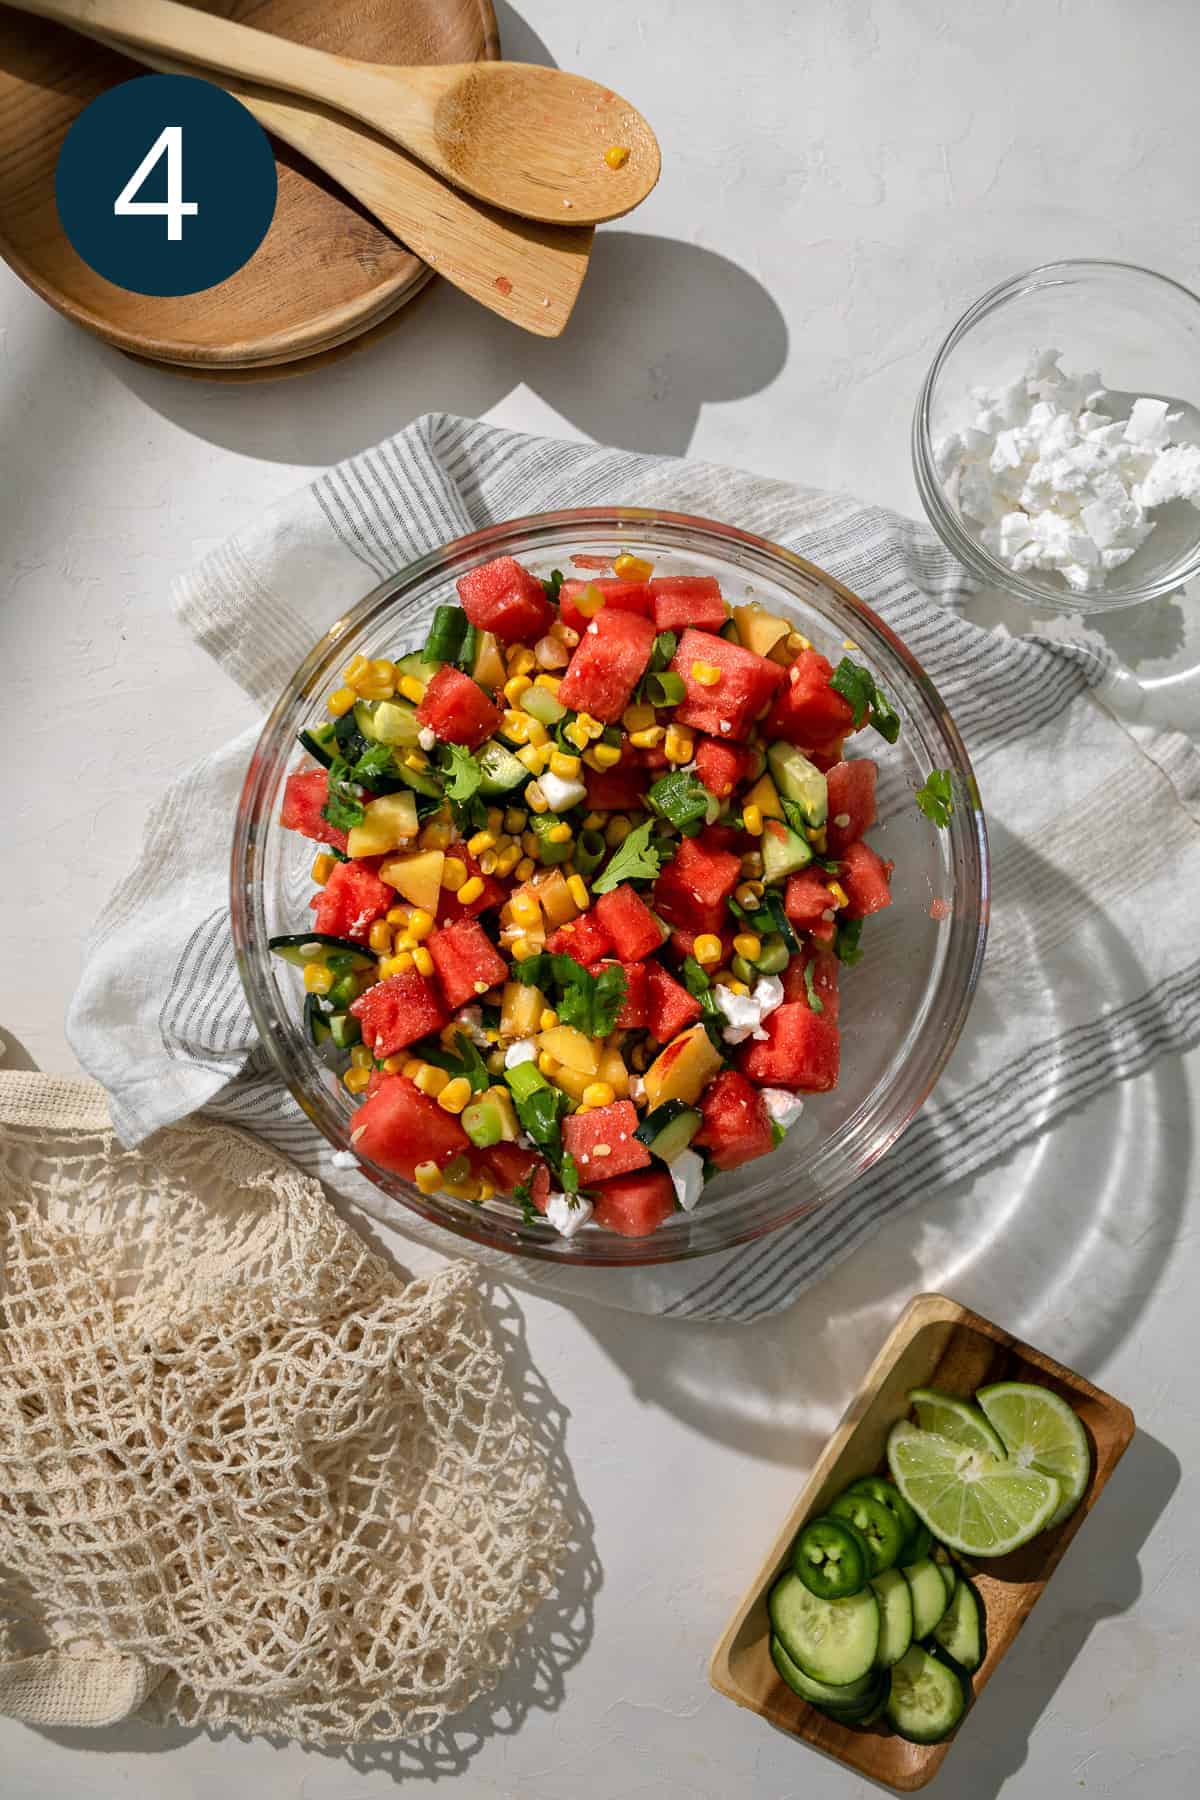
x=841, y=179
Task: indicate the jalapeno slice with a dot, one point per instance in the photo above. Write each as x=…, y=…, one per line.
x=877, y=1525
x=832, y=1558
x=889, y=1495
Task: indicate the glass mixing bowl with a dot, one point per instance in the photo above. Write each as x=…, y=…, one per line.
x=1142, y=332
x=903, y=1006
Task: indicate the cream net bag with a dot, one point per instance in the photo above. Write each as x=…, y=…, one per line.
x=248, y=1474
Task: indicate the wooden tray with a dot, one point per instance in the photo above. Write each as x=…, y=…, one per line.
x=324, y=272
x=937, y=1343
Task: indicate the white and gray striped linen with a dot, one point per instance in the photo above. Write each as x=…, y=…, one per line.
x=1095, y=839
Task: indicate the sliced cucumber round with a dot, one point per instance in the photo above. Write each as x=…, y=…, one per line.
x=833, y=1640
x=960, y=1629
x=940, y=1557
x=316, y=1019
x=929, y=1597
x=300, y=948
x=318, y=747
x=823, y=1693
x=926, y=1700
x=502, y=772
x=895, y=1616
x=669, y=1129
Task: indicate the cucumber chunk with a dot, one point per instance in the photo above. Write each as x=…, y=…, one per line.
x=926, y=1700
x=501, y=770
x=387, y=722
x=929, y=1597
x=833, y=1640
x=823, y=1693
x=542, y=705
x=414, y=664
x=669, y=1129
x=316, y=1019
x=345, y=1030
x=895, y=1616
x=960, y=1629
x=320, y=744
x=784, y=852
x=303, y=947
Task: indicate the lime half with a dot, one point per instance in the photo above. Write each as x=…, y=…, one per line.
x=980, y=1504
x=958, y=1420
x=1041, y=1431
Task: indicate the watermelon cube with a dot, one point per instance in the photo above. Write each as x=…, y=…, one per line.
x=736, y=1124
x=807, y=710
x=670, y=1009
x=457, y=709
x=398, y=1011
x=609, y=662
x=694, y=887
x=825, y=970
x=585, y=938
x=723, y=767
x=801, y=1051
x=866, y=879
x=508, y=1166
x=635, y=1205
x=629, y=922
x=743, y=691
x=351, y=900
x=851, y=802
x=682, y=600
x=398, y=1127
x=450, y=907
x=466, y=961
x=304, y=794
x=807, y=899
x=622, y=596
x=505, y=599
x=620, y=789
x=602, y=1141
x=633, y=1014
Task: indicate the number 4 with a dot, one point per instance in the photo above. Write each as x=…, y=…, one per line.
x=168, y=143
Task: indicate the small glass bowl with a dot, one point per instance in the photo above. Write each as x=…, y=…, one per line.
x=902, y=1007
x=1142, y=332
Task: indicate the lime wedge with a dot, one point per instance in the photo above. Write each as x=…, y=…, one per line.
x=958, y=1420
x=980, y=1504
x=1041, y=1431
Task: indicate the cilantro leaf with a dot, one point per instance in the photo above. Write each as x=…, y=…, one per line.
x=845, y=943
x=663, y=649
x=378, y=760
x=540, y=1114
x=794, y=816
x=463, y=774
x=568, y=1173
x=857, y=686
x=634, y=860
x=550, y=588
x=777, y=1134
x=698, y=985
x=680, y=798
x=935, y=798
x=522, y=1194
x=588, y=1002
x=815, y=1002
x=467, y=1061
x=343, y=806
x=695, y=980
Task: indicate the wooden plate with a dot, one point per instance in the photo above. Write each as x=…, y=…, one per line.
x=937, y=1343
x=324, y=272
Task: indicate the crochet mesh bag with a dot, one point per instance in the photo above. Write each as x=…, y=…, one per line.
x=248, y=1474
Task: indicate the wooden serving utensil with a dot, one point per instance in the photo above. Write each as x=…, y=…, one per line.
x=538, y=142
x=529, y=273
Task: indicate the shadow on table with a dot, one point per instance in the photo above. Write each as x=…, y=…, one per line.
x=13, y=1054
x=549, y=1647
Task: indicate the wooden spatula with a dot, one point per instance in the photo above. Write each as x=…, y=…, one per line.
x=539, y=142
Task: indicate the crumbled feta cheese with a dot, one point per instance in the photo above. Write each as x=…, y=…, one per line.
x=637, y=1087
x=345, y=1159
x=687, y=1173
x=745, y=1013
x=561, y=795
x=470, y=1020
x=426, y=738
x=523, y=1051
x=784, y=1107
x=568, y=1213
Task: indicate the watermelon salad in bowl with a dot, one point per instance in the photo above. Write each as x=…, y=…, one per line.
x=611, y=886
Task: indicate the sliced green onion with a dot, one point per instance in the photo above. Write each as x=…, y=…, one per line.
x=447, y=634
x=469, y=650
x=590, y=851
x=667, y=689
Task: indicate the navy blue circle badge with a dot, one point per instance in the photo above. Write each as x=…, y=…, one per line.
x=166, y=185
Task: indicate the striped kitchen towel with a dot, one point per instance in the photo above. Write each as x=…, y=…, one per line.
x=1093, y=968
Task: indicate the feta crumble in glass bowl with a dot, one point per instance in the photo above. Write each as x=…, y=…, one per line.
x=1056, y=439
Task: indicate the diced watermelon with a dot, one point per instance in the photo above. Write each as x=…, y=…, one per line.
x=825, y=968
x=450, y=907
x=585, y=938
x=723, y=767
x=866, y=879
x=807, y=898
x=607, y=665
x=653, y=758
x=397, y=1012
x=852, y=798
x=505, y=599
x=586, y=1134
x=635, y=1205
x=304, y=794
x=682, y=600
x=629, y=922
x=457, y=709
x=398, y=1127
x=807, y=710
x=622, y=596
x=466, y=960
x=736, y=1124
x=633, y=1013
x=683, y=942
x=509, y=1165
x=351, y=900
x=670, y=1009
x=801, y=1050
x=620, y=789
x=824, y=756
x=695, y=885
x=729, y=708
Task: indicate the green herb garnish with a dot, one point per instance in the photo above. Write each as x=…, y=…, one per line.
x=463, y=774
x=636, y=859
x=550, y=588
x=568, y=1172
x=815, y=1002
x=935, y=798
x=343, y=806
x=588, y=1002
x=467, y=1061
x=845, y=941
x=378, y=760
x=857, y=686
x=664, y=648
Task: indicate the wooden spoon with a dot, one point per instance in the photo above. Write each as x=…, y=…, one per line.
x=529, y=273
x=528, y=139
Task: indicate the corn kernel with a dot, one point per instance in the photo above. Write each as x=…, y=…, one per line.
x=749, y=945
x=599, y=1093
x=589, y=601
x=819, y=841
x=564, y=765
x=752, y=819
x=356, y=670
x=483, y=840
x=707, y=674
x=416, y=760
x=380, y=937
x=530, y=843
x=578, y=734
x=746, y=896
x=361, y=1058
x=521, y=660
x=404, y=940
x=632, y=568
x=525, y=909
x=680, y=745
x=638, y=718
x=515, y=686
x=317, y=979
x=524, y=868
x=564, y=634
x=515, y=820
x=707, y=948
x=471, y=890
x=840, y=896
x=534, y=757
x=535, y=799
x=508, y=859
x=495, y=820
x=738, y=987
x=455, y=1095
x=578, y=889
x=559, y=834
x=593, y=727
x=648, y=740
x=437, y=835
x=603, y=756
x=752, y=865
x=428, y=1177
x=340, y=701
x=422, y=961
x=412, y=689
x=399, y=915
x=521, y=949
x=548, y=1019
x=551, y=683
x=796, y=642
x=593, y=821
x=355, y=1080
x=723, y=978
x=515, y=726
x=488, y=862
x=395, y=965
x=494, y=1062
x=383, y=670
x=616, y=156
x=547, y=1064
x=420, y=924
x=431, y=1080
x=412, y=1067
x=617, y=830
x=454, y=873
x=537, y=733
x=322, y=869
